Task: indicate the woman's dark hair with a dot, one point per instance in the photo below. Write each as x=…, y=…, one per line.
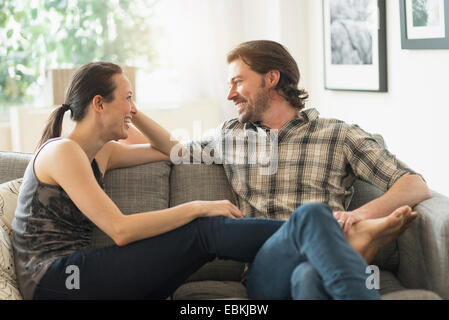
x=263, y=56
x=91, y=79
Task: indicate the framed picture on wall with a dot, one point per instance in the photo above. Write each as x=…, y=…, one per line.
x=355, y=53
x=424, y=24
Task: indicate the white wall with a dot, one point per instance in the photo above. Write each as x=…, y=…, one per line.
x=5, y=136
x=412, y=116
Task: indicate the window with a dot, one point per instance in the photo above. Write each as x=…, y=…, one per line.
x=37, y=35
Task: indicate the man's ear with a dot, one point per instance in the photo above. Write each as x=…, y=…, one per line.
x=97, y=103
x=272, y=78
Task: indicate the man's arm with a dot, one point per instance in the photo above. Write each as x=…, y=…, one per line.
x=408, y=190
x=372, y=162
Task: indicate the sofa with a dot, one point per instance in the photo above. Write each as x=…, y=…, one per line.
x=416, y=266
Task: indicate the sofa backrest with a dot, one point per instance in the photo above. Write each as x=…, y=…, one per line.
x=13, y=165
x=190, y=182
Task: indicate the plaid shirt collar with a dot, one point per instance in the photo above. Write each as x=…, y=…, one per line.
x=303, y=117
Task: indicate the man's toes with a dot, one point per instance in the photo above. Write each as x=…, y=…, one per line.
x=403, y=211
x=410, y=219
x=412, y=216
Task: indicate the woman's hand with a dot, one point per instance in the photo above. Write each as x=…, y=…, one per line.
x=157, y=136
x=216, y=208
x=346, y=219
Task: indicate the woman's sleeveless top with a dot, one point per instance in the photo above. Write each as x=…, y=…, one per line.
x=47, y=225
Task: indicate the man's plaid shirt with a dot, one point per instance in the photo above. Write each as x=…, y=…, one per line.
x=310, y=159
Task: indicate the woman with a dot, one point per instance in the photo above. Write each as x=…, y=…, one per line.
x=62, y=197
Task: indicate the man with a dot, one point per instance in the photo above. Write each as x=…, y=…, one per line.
x=311, y=159
x=264, y=78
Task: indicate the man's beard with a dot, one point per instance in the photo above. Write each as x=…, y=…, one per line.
x=254, y=112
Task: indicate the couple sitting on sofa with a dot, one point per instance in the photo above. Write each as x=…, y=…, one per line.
x=290, y=224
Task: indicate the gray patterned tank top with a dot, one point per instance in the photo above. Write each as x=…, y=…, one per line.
x=47, y=225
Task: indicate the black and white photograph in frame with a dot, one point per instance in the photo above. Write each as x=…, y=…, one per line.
x=355, y=45
x=424, y=24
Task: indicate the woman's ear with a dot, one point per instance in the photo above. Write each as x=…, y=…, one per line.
x=97, y=103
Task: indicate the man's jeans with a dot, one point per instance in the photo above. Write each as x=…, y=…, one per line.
x=309, y=258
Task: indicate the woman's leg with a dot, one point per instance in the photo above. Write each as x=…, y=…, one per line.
x=236, y=239
x=153, y=268
x=311, y=234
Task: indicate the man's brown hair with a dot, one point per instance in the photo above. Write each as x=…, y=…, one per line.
x=263, y=56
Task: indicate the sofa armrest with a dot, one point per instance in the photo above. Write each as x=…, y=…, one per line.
x=424, y=248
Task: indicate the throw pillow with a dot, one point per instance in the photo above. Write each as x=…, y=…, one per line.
x=9, y=191
x=9, y=289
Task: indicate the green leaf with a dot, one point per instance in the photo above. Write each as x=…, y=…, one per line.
x=20, y=15
x=3, y=19
x=9, y=33
x=34, y=13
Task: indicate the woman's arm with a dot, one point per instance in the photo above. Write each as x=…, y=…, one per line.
x=159, y=138
x=67, y=164
x=136, y=150
x=134, y=137
x=118, y=155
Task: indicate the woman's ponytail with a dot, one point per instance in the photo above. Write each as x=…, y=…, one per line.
x=54, y=124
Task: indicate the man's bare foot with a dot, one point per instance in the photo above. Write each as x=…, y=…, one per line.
x=368, y=236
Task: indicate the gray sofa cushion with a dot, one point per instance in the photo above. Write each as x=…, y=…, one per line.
x=202, y=290
x=190, y=182
x=389, y=283
x=411, y=294
x=136, y=189
x=13, y=165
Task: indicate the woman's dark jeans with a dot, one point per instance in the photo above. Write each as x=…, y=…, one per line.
x=154, y=268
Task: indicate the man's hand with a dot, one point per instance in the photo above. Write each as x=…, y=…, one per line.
x=346, y=219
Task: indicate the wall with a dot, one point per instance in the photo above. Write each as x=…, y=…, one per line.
x=411, y=116
x=5, y=136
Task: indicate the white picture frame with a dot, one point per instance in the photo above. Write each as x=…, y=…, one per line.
x=354, y=45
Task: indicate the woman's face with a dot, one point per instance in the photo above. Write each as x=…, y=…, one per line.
x=119, y=112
